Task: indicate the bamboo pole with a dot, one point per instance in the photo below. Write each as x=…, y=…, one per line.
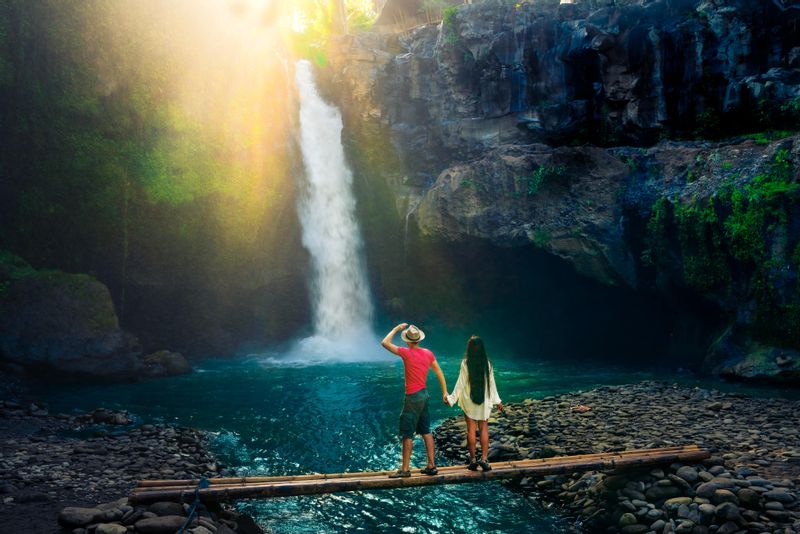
x=322, y=476
x=450, y=475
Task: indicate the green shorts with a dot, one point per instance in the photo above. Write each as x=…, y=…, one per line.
x=415, y=417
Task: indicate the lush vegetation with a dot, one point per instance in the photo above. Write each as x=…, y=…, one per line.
x=738, y=241
x=138, y=148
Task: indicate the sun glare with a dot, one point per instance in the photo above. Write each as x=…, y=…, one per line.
x=299, y=21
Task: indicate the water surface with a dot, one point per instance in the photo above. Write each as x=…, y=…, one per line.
x=275, y=419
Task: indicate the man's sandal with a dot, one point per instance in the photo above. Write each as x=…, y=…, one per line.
x=484, y=465
x=473, y=466
x=430, y=471
x=400, y=474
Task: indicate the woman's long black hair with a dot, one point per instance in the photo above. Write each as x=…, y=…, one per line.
x=478, y=369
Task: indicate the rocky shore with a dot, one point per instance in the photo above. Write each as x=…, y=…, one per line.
x=55, y=468
x=750, y=484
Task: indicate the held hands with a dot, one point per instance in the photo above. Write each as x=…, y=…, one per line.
x=500, y=407
x=446, y=400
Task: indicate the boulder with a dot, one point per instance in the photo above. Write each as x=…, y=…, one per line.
x=736, y=356
x=166, y=508
x=72, y=517
x=166, y=363
x=160, y=525
x=62, y=324
x=110, y=528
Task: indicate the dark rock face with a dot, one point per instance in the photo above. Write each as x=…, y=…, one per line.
x=507, y=123
x=63, y=323
x=61, y=326
x=166, y=363
x=497, y=73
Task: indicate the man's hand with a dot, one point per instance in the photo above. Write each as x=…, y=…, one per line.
x=446, y=400
x=500, y=407
x=387, y=341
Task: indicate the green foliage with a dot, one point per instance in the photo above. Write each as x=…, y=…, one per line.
x=633, y=163
x=704, y=264
x=657, y=227
x=707, y=124
x=451, y=35
x=541, y=237
x=758, y=208
x=539, y=176
x=735, y=229
x=796, y=258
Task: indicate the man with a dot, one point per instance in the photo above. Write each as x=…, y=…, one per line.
x=415, y=417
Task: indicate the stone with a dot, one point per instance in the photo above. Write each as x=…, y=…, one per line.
x=68, y=325
x=634, y=529
x=166, y=363
x=724, y=495
x=676, y=502
x=658, y=493
x=627, y=519
x=110, y=528
x=728, y=528
x=748, y=498
x=707, y=489
x=160, y=525
x=688, y=473
x=780, y=495
x=728, y=511
x=707, y=512
x=72, y=516
x=164, y=508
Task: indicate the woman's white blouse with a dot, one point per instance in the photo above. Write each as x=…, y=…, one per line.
x=479, y=412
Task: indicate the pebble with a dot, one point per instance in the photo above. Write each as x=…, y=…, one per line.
x=741, y=488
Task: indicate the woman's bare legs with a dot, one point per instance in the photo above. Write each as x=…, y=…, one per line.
x=471, y=426
x=484, y=440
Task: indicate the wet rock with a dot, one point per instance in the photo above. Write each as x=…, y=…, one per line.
x=166, y=363
x=160, y=525
x=78, y=517
x=110, y=528
x=781, y=495
x=627, y=519
x=687, y=473
x=748, y=498
x=728, y=512
x=166, y=508
x=659, y=493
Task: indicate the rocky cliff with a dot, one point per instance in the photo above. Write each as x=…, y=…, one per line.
x=59, y=326
x=647, y=143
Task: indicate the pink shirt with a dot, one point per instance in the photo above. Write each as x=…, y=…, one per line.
x=416, y=363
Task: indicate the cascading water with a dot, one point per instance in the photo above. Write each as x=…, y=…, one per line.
x=340, y=294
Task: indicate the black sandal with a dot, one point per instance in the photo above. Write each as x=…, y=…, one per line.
x=473, y=466
x=400, y=474
x=484, y=465
x=430, y=471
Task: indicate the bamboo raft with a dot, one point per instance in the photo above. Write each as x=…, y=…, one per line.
x=228, y=489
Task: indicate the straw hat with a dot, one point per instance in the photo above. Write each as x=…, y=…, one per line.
x=412, y=334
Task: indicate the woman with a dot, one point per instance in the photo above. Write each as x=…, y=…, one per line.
x=476, y=393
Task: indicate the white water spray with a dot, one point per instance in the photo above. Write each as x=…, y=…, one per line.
x=341, y=301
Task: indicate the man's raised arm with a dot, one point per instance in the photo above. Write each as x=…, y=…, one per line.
x=387, y=341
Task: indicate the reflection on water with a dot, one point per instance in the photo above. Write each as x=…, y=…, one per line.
x=289, y=419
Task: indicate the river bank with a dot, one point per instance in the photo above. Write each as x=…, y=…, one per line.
x=56, y=469
x=749, y=485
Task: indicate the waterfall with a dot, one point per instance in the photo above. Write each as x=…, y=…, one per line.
x=341, y=302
